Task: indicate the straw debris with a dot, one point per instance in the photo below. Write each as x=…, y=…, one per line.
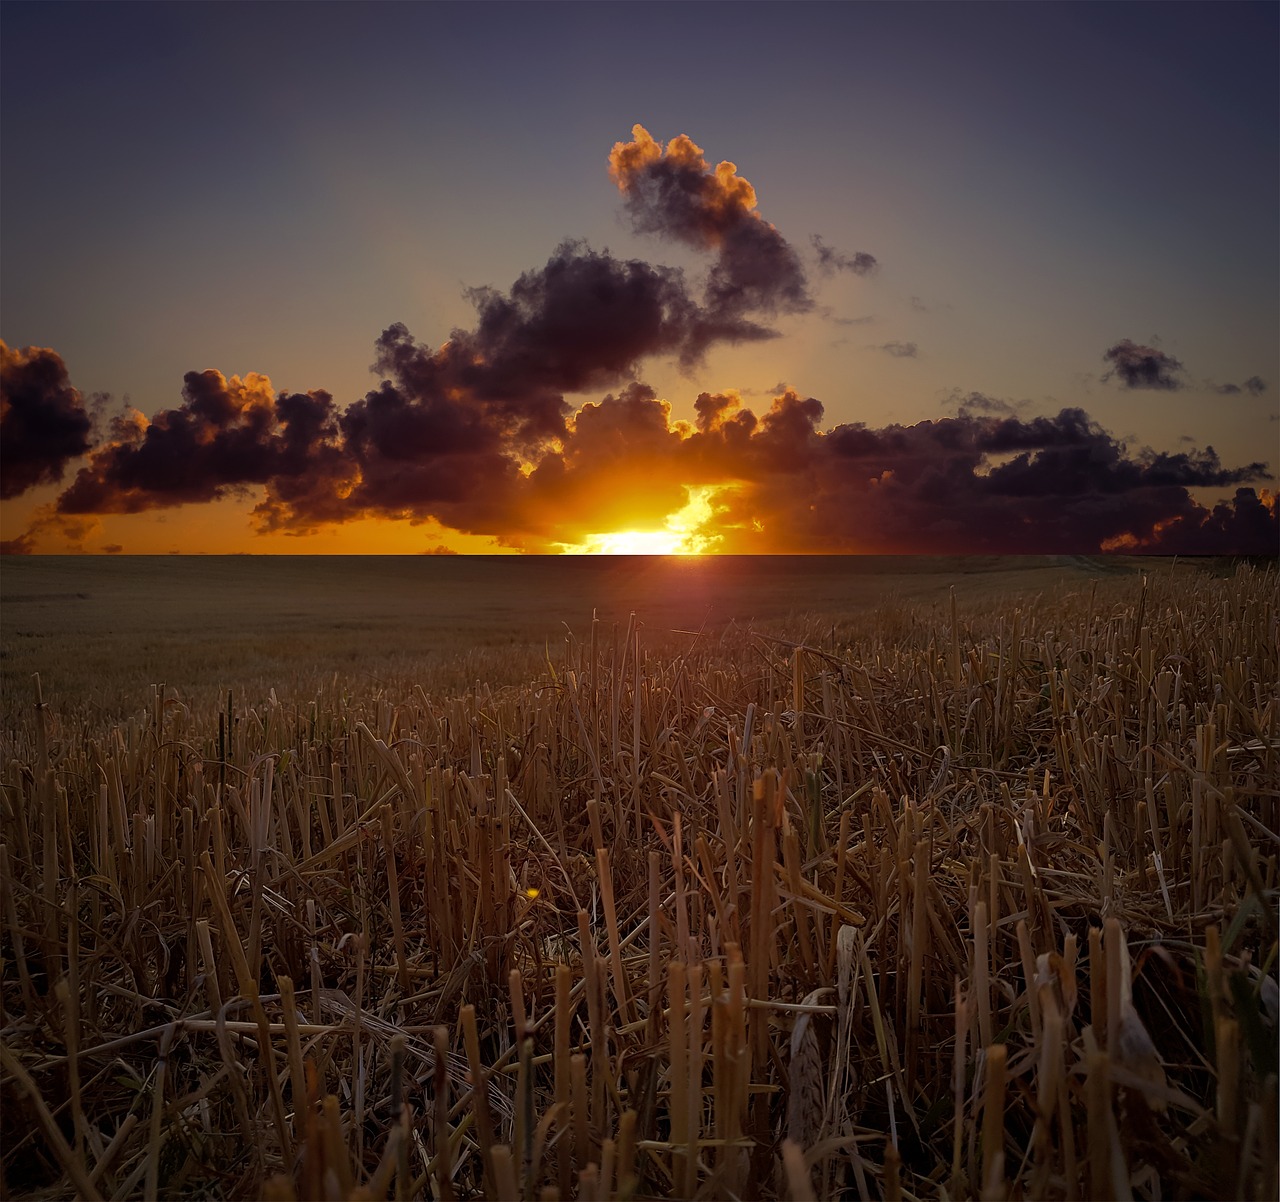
x=951, y=901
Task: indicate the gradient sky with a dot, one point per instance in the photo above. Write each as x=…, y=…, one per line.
x=1068, y=339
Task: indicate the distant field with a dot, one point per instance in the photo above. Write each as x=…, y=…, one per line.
x=91, y=625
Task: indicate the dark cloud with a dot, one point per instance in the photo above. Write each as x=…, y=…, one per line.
x=996, y=484
x=1143, y=367
x=226, y=435
x=673, y=192
x=900, y=350
x=113, y=549
x=831, y=260
x=581, y=321
x=1248, y=524
x=1254, y=386
x=44, y=423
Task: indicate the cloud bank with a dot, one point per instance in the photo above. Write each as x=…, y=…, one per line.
x=477, y=435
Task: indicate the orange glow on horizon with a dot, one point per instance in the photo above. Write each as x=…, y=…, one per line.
x=690, y=530
x=630, y=542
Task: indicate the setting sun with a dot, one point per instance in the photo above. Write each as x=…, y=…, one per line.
x=687, y=531
x=632, y=542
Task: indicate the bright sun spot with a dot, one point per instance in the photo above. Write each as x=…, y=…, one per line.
x=632, y=542
x=685, y=532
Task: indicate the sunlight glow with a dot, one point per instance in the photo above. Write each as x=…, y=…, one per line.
x=688, y=531
x=629, y=542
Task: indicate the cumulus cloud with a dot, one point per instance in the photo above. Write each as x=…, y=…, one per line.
x=44, y=423
x=673, y=191
x=226, y=435
x=900, y=350
x=831, y=260
x=1143, y=367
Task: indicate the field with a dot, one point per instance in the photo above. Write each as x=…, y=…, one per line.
x=799, y=878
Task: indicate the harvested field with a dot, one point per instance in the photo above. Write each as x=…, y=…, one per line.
x=780, y=878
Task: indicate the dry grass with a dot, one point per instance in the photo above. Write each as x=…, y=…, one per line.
x=945, y=898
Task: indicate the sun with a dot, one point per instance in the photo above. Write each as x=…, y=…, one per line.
x=633, y=542
x=690, y=530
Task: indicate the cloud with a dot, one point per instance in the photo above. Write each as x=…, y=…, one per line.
x=831, y=260
x=44, y=423
x=1143, y=367
x=900, y=350
x=69, y=533
x=673, y=192
x=227, y=435
x=581, y=321
x=993, y=484
x=1254, y=386
x=1247, y=524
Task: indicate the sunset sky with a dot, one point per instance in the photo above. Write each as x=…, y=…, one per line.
x=698, y=277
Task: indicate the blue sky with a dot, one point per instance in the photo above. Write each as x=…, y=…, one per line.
x=266, y=188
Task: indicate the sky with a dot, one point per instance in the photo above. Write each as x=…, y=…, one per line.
x=812, y=278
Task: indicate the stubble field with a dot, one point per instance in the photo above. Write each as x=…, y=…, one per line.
x=779, y=878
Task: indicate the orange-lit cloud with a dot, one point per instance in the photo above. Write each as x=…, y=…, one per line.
x=674, y=192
